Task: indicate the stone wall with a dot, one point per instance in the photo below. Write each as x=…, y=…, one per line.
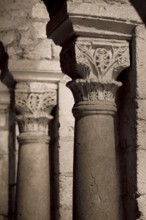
x=132, y=129
x=140, y=45
x=66, y=134
x=23, y=32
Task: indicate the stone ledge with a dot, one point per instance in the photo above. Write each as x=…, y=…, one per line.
x=94, y=20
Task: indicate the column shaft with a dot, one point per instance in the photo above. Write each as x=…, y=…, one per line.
x=33, y=194
x=96, y=184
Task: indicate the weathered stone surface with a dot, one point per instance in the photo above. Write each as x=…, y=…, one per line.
x=94, y=70
x=34, y=102
x=66, y=157
x=33, y=193
x=42, y=50
x=14, y=52
x=8, y=37
x=65, y=188
x=3, y=120
x=4, y=141
x=56, y=51
x=66, y=136
x=141, y=164
x=94, y=67
x=4, y=149
x=24, y=27
x=103, y=10
x=39, y=29
x=4, y=106
x=140, y=65
x=40, y=65
x=23, y=32
x=27, y=38
x=93, y=157
x=140, y=36
x=39, y=11
x=13, y=20
x=141, y=134
x=66, y=130
x=141, y=114
x=142, y=206
x=16, y=5
x=65, y=213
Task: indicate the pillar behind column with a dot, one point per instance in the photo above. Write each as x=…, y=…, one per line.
x=34, y=102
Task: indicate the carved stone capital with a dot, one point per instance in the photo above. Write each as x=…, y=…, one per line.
x=84, y=90
x=94, y=66
x=92, y=59
x=34, y=102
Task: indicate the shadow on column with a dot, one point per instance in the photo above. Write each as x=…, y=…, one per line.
x=12, y=158
x=54, y=164
x=7, y=78
x=126, y=120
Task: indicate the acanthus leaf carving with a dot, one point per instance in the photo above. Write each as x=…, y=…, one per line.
x=33, y=106
x=94, y=66
x=98, y=62
x=84, y=90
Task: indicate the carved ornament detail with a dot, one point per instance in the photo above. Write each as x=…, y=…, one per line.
x=33, y=103
x=94, y=91
x=94, y=67
x=95, y=61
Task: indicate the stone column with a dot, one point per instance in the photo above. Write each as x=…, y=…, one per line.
x=4, y=150
x=94, y=66
x=34, y=102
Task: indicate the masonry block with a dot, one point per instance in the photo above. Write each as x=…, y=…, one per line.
x=12, y=20
x=39, y=11
x=141, y=171
x=42, y=50
x=39, y=29
x=39, y=65
x=66, y=156
x=66, y=190
x=27, y=38
x=65, y=213
x=14, y=52
x=56, y=51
